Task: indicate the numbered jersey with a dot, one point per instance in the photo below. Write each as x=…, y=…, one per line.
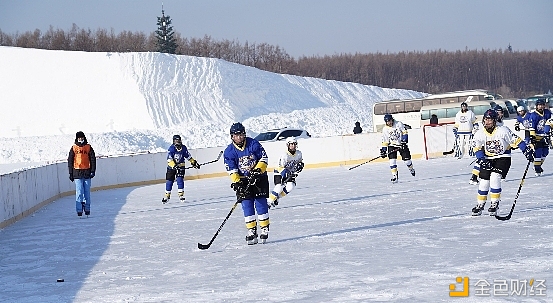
x=496, y=144
x=243, y=160
x=289, y=161
x=393, y=135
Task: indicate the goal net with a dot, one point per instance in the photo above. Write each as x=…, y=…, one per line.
x=439, y=140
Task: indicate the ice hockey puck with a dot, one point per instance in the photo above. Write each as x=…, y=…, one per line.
x=61, y=280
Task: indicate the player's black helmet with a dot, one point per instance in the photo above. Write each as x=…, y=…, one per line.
x=388, y=117
x=177, y=137
x=177, y=141
x=464, y=104
x=490, y=114
x=540, y=101
x=237, y=128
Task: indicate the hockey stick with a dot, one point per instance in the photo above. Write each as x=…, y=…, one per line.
x=455, y=147
x=218, y=157
x=356, y=166
x=206, y=246
x=516, y=197
x=241, y=196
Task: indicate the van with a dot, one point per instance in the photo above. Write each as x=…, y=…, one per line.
x=447, y=112
x=531, y=101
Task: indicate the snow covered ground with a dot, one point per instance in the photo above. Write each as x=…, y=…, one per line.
x=341, y=236
x=132, y=102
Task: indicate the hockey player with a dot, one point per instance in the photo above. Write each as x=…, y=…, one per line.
x=289, y=165
x=246, y=163
x=539, y=134
x=394, y=139
x=523, y=117
x=465, y=126
x=499, y=110
x=492, y=146
x=176, y=154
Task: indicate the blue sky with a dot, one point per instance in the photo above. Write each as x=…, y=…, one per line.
x=310, y=27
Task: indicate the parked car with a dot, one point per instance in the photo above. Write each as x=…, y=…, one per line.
x=281, y=134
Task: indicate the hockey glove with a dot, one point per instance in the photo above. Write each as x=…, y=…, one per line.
x=299, y=167
x=383, y=152
x=71, y=177
x=517, y=128
x=92, y=174
x=239, y=187
x=484, y=164
x=529, y=153
x=195, y=163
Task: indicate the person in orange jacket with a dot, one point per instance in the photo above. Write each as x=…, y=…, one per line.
x=82, y=168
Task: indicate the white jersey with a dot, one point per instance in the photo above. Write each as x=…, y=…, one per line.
x=497, y=144
x=289, y=161
x=393, y=135
x=464, y=122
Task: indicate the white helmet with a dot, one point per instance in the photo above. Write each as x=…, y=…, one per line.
x=520, y=108
x=291, y=140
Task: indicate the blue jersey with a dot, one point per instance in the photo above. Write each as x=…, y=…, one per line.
x=243, y=160
x=540, y=124
x=524, y=120
x=176, y=157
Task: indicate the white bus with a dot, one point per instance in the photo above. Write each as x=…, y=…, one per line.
x=446, y=112
x=408, y=111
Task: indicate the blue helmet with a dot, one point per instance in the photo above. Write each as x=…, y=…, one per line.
x=540, y=101
x=498, y=108
x=490, y=114
x=388, y=117
x=177, y=137
x=237, y=128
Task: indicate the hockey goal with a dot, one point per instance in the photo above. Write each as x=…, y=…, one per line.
x=439, y=140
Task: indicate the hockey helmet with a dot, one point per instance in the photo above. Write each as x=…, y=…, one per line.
x=237, y=128
x=521, y=109
x=464, y=104
x=490, y=114
x=177, y=137
x=388, y=117
x=177, y=141
x=540, y=101
x=291, y=140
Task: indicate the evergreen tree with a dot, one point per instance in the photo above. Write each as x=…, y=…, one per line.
x=165, y=42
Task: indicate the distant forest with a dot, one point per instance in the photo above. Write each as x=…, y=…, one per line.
x=513, y=74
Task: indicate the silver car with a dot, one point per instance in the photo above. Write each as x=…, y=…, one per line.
x=281, y=134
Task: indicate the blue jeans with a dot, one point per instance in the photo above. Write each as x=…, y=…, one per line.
x=82, y=191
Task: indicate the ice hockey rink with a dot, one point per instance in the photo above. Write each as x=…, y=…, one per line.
x=340, y=236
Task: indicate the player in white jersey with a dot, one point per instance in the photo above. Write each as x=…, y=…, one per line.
x=289, y=165
x=476, y=168
x=465, y=126
x=492, y=146
x=394, y=139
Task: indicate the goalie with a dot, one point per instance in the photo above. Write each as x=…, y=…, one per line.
x=465, y=127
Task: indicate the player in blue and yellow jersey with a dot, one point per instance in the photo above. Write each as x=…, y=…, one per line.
x=523, y=117
x=539, y=134
x=177, y=153
x=492, y=147
x=394, y=139
x=246, y=163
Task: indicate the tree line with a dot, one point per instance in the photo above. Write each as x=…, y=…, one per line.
x=513, y=74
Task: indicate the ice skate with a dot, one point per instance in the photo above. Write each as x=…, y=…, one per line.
x=394, y=178
x=166, y=198
x=251, y=238
x=473, y=180
x=80, y=214
x=538, y=171
x=181, y=197
x=477, y=210
x=264, y=234
x=412, y=170
x=493, y=208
